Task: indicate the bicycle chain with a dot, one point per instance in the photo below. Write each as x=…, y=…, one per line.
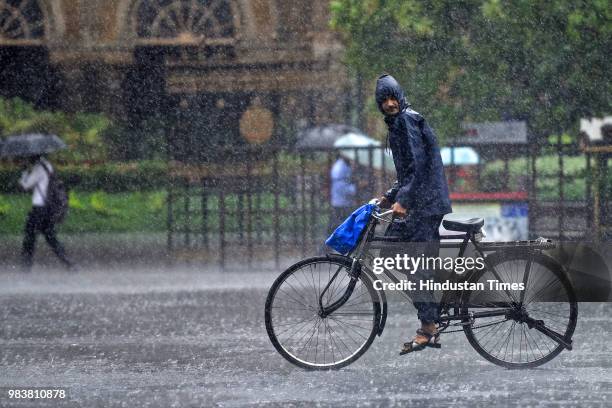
x=467, y=323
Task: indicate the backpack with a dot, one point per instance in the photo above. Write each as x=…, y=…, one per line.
x=57, y=197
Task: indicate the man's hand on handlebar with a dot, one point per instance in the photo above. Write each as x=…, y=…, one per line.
x=383, y=202
x=398, y=210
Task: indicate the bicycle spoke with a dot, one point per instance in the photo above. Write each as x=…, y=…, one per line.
x=303, y=325
x=307, y=337
x=340, y=339
x=546, y=314
x=295, y=300
x=303, y=299
x=351, y=326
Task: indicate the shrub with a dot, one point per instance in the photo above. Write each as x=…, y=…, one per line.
x=107, y=177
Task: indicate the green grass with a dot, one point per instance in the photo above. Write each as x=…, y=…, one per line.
x=263, y=214
x=547, y=167
x=147, y=212
x=94, y=212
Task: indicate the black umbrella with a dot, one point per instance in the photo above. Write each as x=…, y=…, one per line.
x=323, y=136
x=30, y=145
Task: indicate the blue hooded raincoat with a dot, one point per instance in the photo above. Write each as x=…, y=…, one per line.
x=421, y=185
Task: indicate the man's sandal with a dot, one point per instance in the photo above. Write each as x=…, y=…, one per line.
x=433, y=340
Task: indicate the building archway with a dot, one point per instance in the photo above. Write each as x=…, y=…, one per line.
x=170, y=35
x=184, y=22
x=25, y=69
x=22, y=22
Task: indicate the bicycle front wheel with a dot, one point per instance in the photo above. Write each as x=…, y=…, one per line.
x=537, y=320
x=294, y=324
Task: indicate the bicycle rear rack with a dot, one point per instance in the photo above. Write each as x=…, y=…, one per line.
x=540, y=243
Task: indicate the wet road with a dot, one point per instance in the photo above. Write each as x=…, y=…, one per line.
x=160, y=338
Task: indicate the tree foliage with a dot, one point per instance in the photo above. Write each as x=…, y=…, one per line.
x=477, y=60
x=84, y=133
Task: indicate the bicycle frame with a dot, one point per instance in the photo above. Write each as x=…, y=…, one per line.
x=459, y=241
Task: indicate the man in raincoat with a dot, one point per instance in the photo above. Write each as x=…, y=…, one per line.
x=420, y=195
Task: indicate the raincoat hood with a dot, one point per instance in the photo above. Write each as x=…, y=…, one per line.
x=387, y=86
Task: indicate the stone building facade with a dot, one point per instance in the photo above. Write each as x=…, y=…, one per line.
x=216, y=71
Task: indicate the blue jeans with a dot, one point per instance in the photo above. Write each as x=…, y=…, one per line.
x=423, y=238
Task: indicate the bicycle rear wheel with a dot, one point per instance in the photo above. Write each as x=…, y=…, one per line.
x=301, y=335
x=524, y=337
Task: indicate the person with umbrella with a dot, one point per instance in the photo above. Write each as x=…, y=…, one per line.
x=36, y=176
x=420, y=194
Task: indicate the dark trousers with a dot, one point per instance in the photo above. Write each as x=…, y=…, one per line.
x=423, y=238
x=39, y=221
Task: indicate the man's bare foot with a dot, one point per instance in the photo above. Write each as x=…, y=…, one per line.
x=427, y=336
x=429, y=328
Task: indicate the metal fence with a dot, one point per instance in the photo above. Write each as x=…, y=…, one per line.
x=274, y=204
x=565, y=212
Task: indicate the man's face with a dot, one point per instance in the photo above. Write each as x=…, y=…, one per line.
x=390, y=106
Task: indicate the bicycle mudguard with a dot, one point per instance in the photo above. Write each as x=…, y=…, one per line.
x=383, y=312
x=382, y=297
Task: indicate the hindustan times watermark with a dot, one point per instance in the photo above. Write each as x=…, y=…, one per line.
x=430, y=284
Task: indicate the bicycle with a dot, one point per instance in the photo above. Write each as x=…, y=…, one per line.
x=324, y=312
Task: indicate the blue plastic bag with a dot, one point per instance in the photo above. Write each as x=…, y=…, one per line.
x=345, y=237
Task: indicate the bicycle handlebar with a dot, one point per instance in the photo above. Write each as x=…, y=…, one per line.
x=380, y=215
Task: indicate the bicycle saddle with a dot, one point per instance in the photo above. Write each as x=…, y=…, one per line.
x=471, y=225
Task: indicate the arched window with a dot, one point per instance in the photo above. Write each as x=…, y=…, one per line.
x=189, y=22
x=21, y=21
